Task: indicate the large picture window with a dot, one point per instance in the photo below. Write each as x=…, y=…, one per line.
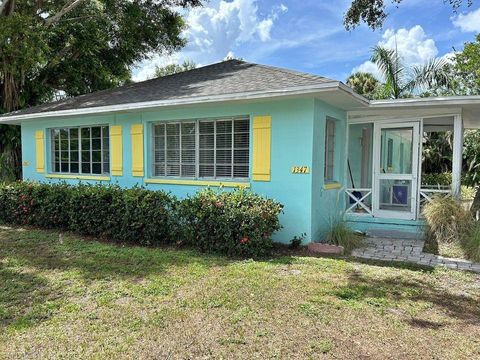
x=202, y=148
x=80, y=150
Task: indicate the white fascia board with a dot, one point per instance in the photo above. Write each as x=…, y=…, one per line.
x=293, y=91
x=435, y=101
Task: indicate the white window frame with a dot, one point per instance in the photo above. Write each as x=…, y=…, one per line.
x=197, y=149
x=103, y=149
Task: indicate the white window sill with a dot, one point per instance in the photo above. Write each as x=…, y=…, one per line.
x=233, y=184
x=78, y=177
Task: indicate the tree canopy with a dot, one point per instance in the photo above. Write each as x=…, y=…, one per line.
x=467, y=67
x=373, y=12
x=79, y=46
x=399, y=80
x=171, y=69
x=364, y=84
x=73, y=47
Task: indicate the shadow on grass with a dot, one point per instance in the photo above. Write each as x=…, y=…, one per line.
x=28, y=257
x=95, y=260
x=24, y=298
x=457, y=305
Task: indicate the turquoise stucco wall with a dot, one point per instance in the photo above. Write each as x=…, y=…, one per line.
x=327, y=204
x=297, y=140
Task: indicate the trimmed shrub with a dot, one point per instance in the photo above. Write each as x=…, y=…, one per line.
x=234, y=223
x=134, y=215
x=237, y=223
x=149, y=217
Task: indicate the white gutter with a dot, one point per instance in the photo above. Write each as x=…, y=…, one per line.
x=433, y=101
x=252, y=95
x=299, y=90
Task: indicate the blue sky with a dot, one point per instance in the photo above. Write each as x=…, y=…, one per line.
x=308, y=35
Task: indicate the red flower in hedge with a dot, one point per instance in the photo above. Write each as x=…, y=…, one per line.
x=244, y=240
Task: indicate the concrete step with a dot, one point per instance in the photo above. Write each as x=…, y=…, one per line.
x=395, y=234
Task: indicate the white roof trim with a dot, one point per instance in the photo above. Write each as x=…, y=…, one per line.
x=433, y=101
x=299, y=90
x=364, y=103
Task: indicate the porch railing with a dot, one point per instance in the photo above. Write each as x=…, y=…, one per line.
x=359, y=201
x=427, y=193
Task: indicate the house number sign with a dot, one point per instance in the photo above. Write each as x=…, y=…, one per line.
x=300, y=170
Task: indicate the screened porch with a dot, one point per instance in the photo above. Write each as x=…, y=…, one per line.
x=384, y=165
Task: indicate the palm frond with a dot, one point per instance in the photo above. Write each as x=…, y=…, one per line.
x=434, y=72
x=390, y=65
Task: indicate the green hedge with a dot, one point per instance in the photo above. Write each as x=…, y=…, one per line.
x=441, y=179
x=234, y=223
x=437, y=179
x=237, y=223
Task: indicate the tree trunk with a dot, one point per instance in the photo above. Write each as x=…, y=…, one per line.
x=475, y=208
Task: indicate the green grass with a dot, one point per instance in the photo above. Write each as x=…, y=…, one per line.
x=80, y=298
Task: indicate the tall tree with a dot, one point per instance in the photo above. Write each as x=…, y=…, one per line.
x=373, y=12
x=363, y=83
x=171, y=69
x=401, y=81
x=467, y=67
x=79, y=46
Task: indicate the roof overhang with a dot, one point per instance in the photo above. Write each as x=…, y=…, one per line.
x=345, y=98
x=468, y=106
x=334, y=93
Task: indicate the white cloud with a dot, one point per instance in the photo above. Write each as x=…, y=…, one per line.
x=412, y=44
x=230, y=55
x=369, y=67
x=469, y=22
x=217, y=29
x=264, y=28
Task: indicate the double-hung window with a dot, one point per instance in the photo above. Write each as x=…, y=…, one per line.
x=80, y=150
x=207, y=148
x=330, y=150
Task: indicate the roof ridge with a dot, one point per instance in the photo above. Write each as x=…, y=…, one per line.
x=190, y=70
x=133, y=84
x=295, y=72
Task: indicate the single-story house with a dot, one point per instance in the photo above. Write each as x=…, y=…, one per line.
x=307, y=141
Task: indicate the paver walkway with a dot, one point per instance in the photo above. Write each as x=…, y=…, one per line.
x=410, y=251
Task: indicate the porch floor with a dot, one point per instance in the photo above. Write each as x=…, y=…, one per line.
x=409, y=251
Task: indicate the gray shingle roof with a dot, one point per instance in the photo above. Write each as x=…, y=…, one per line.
x=227, y=77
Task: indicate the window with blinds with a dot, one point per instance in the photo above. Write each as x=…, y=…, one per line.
x=80, y=150
x=202, y=148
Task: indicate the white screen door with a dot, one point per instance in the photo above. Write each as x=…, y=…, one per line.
x=396, y=149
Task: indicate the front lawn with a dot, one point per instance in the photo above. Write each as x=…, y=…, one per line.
x=64, y=297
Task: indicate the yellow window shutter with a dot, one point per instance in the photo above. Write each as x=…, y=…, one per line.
x=116, y=150
x=262, y=133
x=40, y=150
x=136, y=132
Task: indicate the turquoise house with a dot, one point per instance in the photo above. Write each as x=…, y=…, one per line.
x=325, y=152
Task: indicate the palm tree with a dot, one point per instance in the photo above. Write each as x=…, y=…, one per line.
x=401, y=81
x=363, y=83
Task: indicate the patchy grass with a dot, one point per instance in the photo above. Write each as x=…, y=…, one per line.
x=72, y=298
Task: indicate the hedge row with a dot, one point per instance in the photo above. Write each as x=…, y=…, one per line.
x=237, y=223
x=441, y=179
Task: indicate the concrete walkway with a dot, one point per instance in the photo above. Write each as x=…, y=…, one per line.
x=410, y=251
